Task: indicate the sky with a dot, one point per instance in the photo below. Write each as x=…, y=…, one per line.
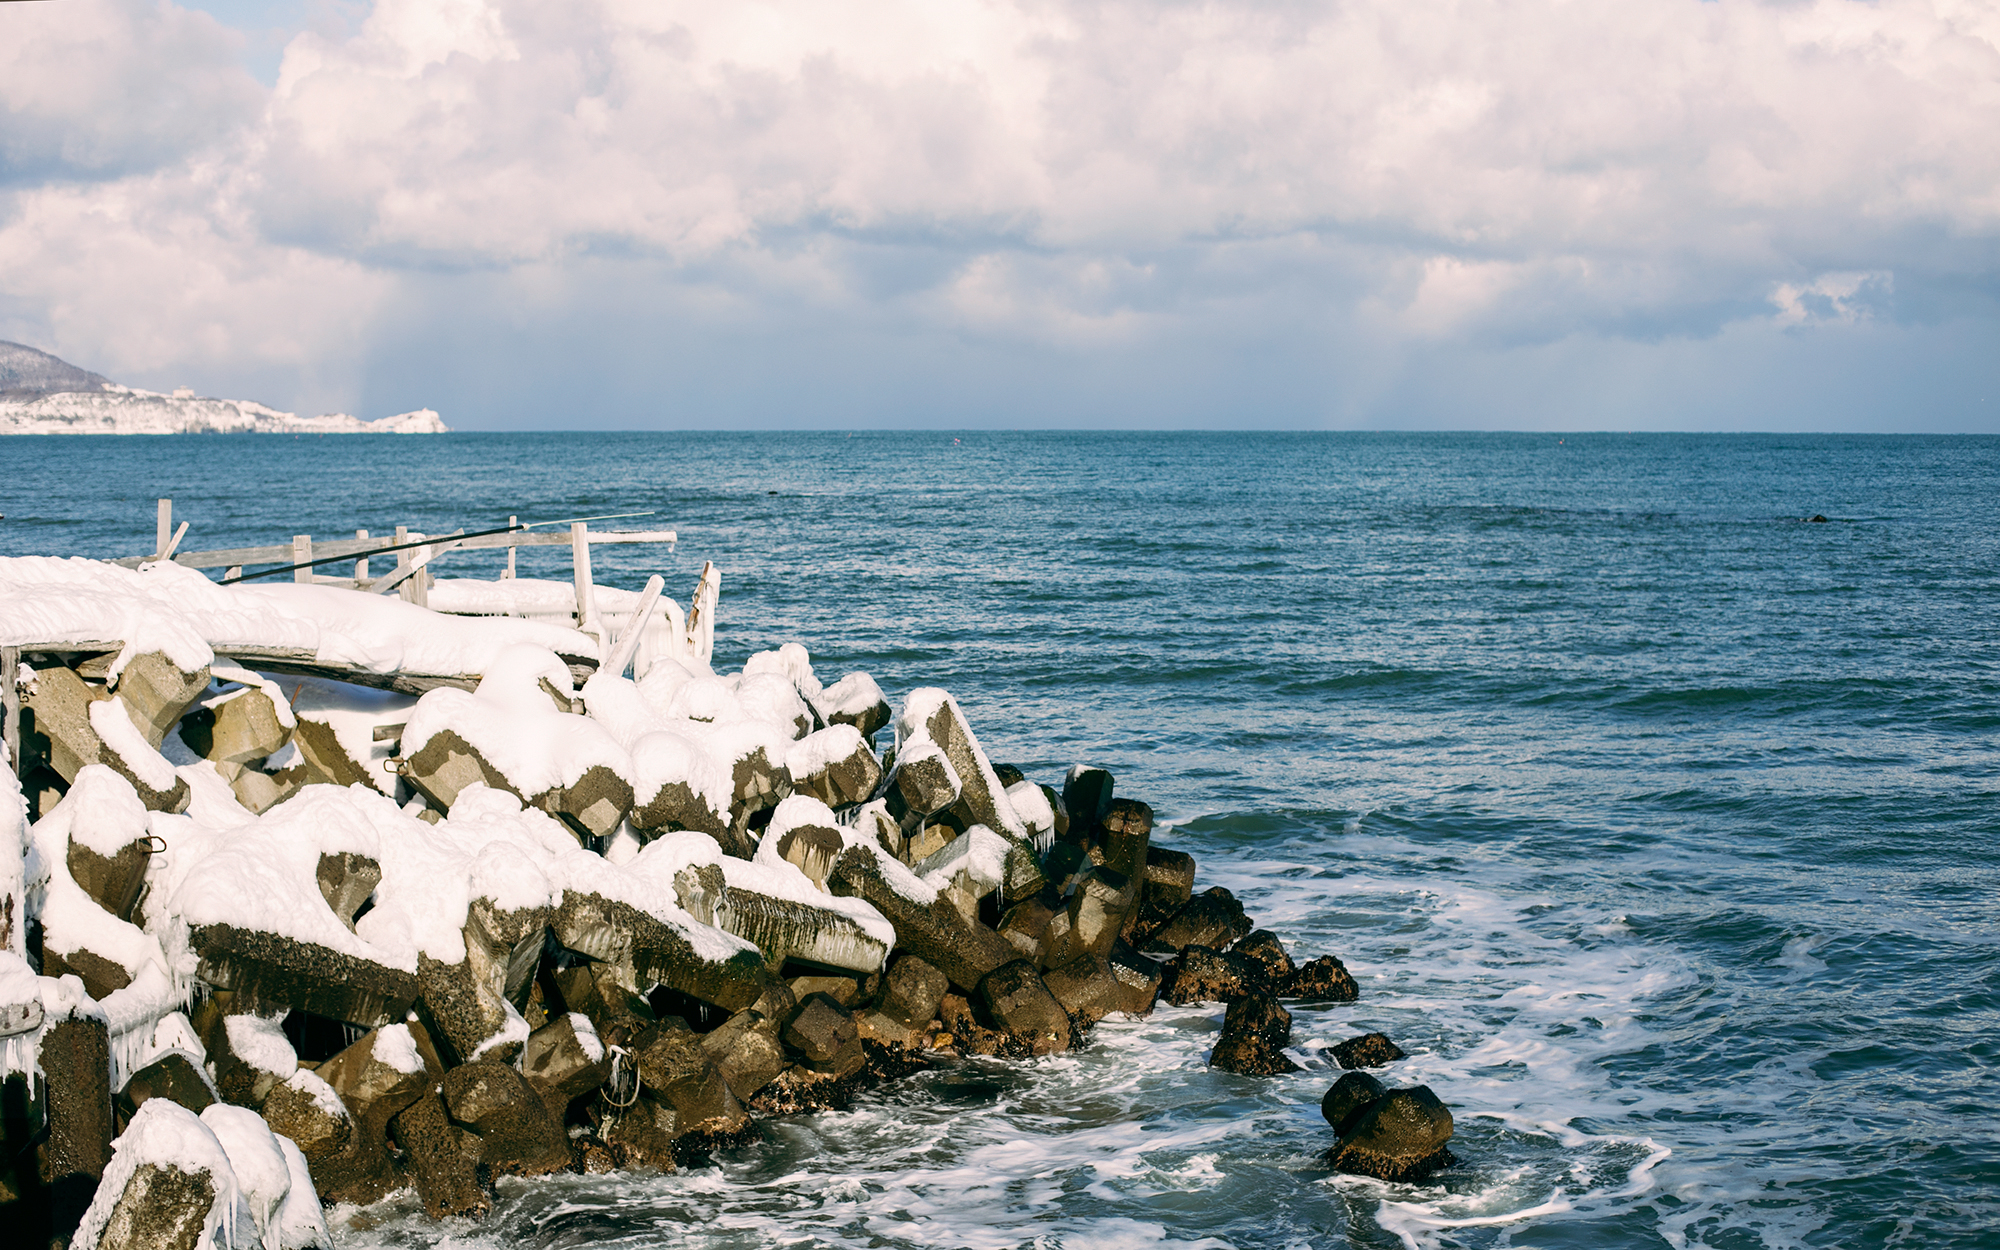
x=1377, y=214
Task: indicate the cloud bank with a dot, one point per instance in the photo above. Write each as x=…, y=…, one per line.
x=646, y=212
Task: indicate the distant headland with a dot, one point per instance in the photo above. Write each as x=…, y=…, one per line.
x=41, y=394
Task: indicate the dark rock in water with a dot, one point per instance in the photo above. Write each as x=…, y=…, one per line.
x=1127, y=837
x=173, y=1077
x=1352, y=1094
x=563, y=1062
x=1200, y=974
x=1085, y=988
x=1169, y=885
x=745, y=1048
x=1212, y=918
x=1816, y=519
x=1321, y=980
x=443, y=1175
x=1255, y=1032
x=1264, y=947
x=824, y=1033
x=1022, y=1006
x=675, y=1069
x=1370, y=1050
x=1138, y=979
x=643, y=1135
x=517, y=1135
x=1398, y=1137
x=912, y=991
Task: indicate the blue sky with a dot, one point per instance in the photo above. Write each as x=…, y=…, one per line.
x=1527, y=214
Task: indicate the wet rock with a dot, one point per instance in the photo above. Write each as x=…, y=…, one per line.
x=1126, y=836
x=1264, y=947
x=174, y=1077
x=1138, y=978
x=1169, y=886
x=1085, y=988
x=1020, y=1005
x=517, y=1135
x=643, y=1135
x=1321, y=980
x=676, y=1071
x=935, y=933
x=835, y=766
x=912, y=991
x=1348, y=1097
x=1255, y=1032
x=1025, y=923
x=563, y=1060
x=1201, y=975
x=823, y=1032
x=240, y=727
x=1212, y=918
x=444, y=1177
x=1399, y=1137
x=1370, y=1050
x=745, y=1048
x=377, y=1077
x=267, y=970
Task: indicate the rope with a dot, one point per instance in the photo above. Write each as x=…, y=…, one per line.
x=618, y=1056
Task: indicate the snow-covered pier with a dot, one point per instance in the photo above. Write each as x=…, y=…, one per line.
x=309, y=894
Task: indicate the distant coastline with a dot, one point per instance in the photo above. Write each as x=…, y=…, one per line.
x=41, y=394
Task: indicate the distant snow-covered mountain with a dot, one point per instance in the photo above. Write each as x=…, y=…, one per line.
x=40, y=394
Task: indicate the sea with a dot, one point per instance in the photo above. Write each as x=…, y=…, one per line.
x=1646, y=783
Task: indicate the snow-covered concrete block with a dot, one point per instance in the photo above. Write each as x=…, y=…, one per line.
x=922, y=784
x=754, y=753
x=930, y=713
x=855, y=700
x=657, y=952
x=835, y=766
x=346, y=733
x=157, y=692
x=272, y=970
x=170, y=1187
x=248, y=1054
x=173, y=1076
x=239, y=726
x=346, y=879
x=469, y=1002
x=72, y=725
x=926, y=924
x=306, y=1110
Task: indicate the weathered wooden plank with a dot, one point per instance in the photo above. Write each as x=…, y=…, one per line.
x=10, y=706
x=302, y=554
x=250, y=557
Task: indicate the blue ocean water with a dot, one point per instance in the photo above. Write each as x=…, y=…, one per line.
x=1657, y=824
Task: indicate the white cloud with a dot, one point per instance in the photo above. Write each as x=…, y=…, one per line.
x=1059, y=175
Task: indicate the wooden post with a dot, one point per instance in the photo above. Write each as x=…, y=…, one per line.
x=420, y=581
x=404, y=591
x=586, y=596
x=10, y=701
x=302, y=552
x=361, y=565
x=164, y=529
x=232, y=572
x=620, y=655
x=509, y=574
